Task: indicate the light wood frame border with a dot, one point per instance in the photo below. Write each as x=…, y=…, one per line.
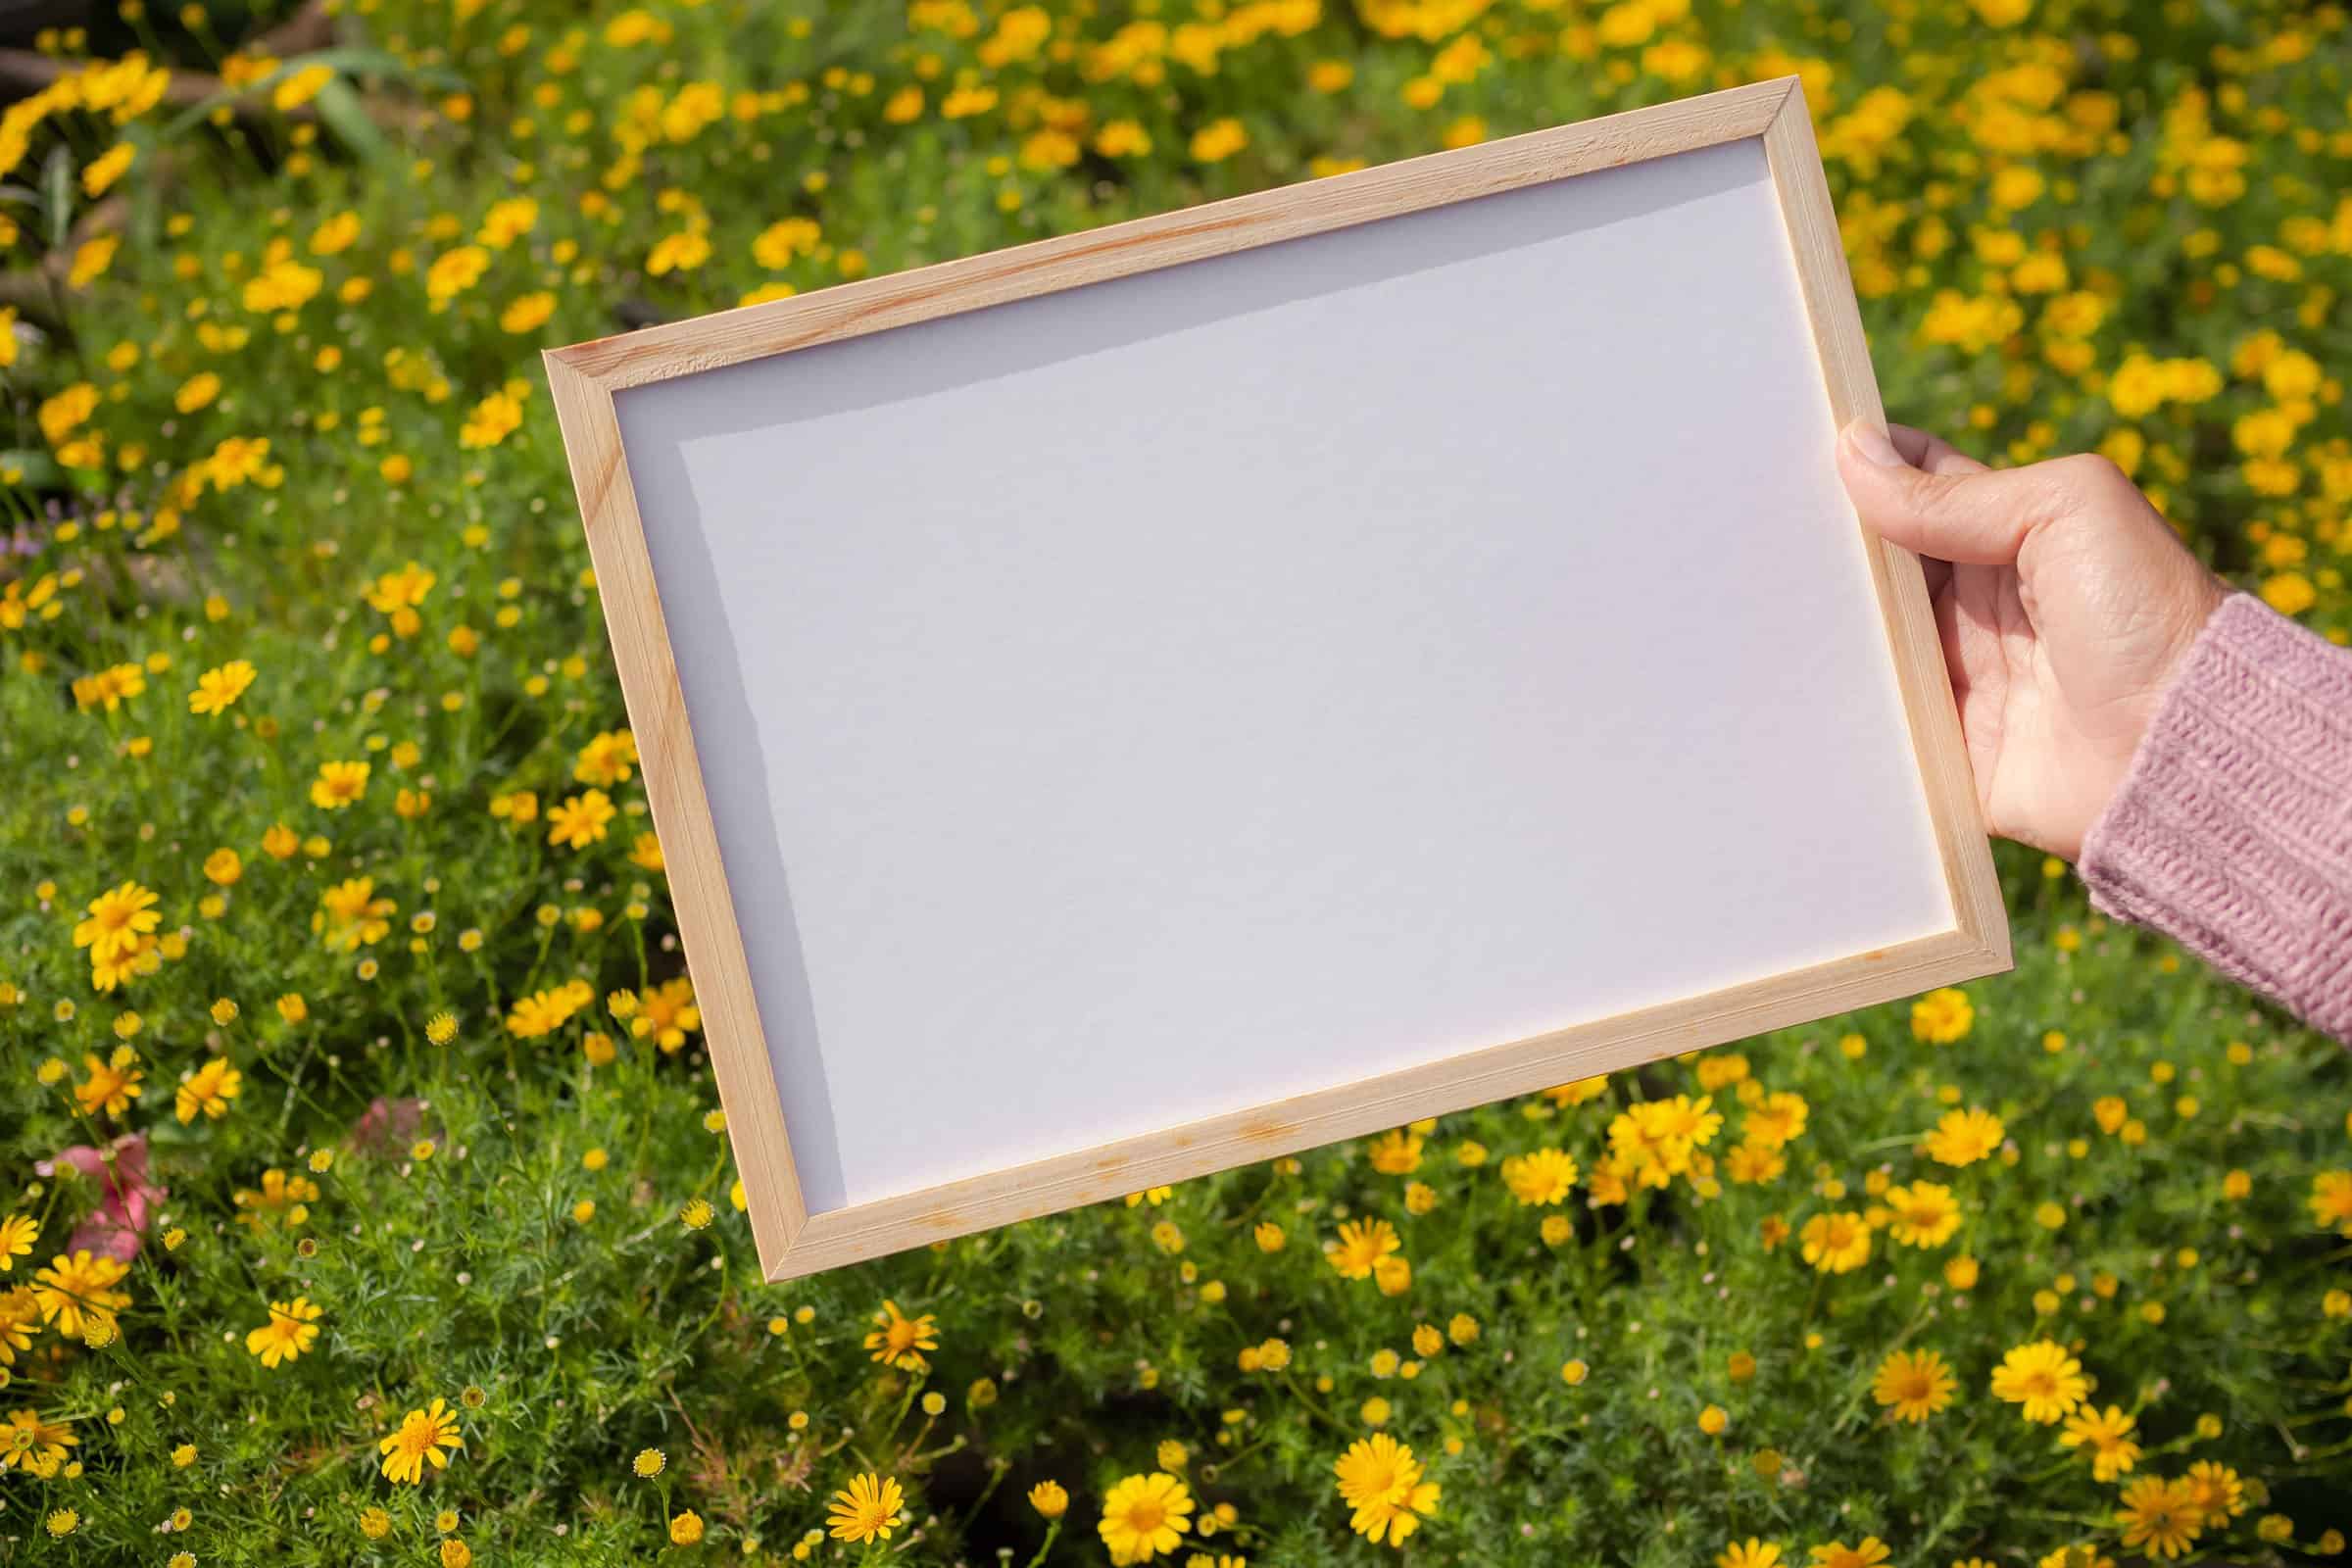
x=791, y=1241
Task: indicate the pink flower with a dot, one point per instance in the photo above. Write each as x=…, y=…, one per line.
x=387, y=1126
x=115, y=1225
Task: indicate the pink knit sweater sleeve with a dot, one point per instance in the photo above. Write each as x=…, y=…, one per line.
x=2233, y=830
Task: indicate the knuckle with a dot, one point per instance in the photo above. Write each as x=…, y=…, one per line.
x=2089, y=484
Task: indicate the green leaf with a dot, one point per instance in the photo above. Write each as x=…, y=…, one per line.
x=34, y=469
x=356, y=60
x=346, y=117
x=56, y=195
x=346, y=62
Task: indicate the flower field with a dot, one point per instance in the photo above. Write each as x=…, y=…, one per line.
x=365, y=1196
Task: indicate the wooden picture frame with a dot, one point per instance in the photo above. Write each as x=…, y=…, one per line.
x=792, y=1240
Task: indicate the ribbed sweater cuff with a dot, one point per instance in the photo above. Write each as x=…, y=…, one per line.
x=2233, y=830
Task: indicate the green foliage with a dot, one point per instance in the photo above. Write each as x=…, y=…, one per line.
x=2069, y=229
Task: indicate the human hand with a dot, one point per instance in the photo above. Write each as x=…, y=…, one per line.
x=2064, y=601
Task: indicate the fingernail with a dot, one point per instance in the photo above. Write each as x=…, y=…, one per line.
x=1871, y=442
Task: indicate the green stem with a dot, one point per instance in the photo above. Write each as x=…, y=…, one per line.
x=1052, y=1531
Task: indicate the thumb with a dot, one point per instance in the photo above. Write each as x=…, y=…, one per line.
x=1959, y=512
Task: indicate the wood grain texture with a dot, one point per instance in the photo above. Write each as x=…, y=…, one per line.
x=1853, y=390
x=792, y=1242
x=673, y=786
